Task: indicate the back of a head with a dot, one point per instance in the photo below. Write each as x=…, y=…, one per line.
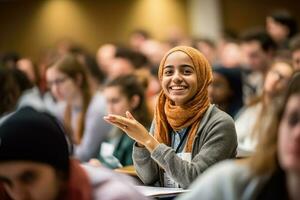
x=286, y=19
x=261, y=36
x=137, y=59
x=234, y=78
x=28, y=135
x=295, y=43
x=13, y=83
x=69, y=65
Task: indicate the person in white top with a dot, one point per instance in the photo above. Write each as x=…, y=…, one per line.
x=82, y=116
x=254, y=118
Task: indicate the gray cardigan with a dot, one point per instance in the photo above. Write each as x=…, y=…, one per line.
x=215, y=141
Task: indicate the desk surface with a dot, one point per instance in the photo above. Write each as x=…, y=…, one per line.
x=130, y=170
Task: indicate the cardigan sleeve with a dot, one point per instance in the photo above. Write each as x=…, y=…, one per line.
x=145, y=166
x=216, y=141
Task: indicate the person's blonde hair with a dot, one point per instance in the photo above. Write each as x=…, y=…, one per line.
x=259, y=126
x=265, y=158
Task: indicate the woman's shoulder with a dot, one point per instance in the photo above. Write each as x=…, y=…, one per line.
x=235, y=183
x=215, y=114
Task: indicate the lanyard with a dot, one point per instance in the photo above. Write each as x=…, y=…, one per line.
x=182, y=139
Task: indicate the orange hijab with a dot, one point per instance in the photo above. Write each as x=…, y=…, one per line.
x=168, y=116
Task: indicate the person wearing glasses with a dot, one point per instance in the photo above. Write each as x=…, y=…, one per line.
x=82, y=115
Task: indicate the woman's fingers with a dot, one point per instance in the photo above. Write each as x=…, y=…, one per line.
x=116, y=123
x=117, y=118
x=129, y=115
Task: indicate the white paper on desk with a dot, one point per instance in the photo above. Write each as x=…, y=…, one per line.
x=159, y=191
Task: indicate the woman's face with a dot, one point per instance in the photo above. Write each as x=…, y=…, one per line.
x=179, y=79
x=277, y=78
x=117, y=102
x=62, y=87
x=289, y=136
x=277, y=31
x=219, y=91
x=29, y=180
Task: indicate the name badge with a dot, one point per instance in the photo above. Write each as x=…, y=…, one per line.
x=107, y=149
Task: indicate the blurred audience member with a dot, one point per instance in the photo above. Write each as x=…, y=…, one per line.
x=281, y=26
x=137, y=38
x=13, y=83
x=258, y=50
x=261, y=109
x=9, y=60
x=272, y=172
x=105, y=56
x=67, y=80
x=231, y=55
x=226, y=89
x=295, y=49
x=208, y=48
x=27, y=66
x=125, y=93
x=40, y=168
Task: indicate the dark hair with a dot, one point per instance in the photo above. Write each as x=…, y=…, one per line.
x=284, y=18
x=141, y=32
x=137, y=59
x=234, y=79
x=295, y=43
x=13, y=83
x=207, y=41
x=265, y=159
x=9, y=59
x=92, y=68
x=129, y=86
x=266, y=42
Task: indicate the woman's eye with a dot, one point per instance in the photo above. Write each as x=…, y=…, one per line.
x=187, y=71
x=167, y=72
x=293, y=119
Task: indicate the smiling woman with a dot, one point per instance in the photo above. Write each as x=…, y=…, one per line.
x=188, y=134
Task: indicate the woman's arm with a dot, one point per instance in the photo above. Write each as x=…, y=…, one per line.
x=217, y=142
x=146, y=167
x=133, y=129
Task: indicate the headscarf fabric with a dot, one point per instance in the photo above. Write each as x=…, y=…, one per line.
x=169, y=116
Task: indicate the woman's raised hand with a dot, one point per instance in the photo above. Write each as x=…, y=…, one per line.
x=133, y=129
